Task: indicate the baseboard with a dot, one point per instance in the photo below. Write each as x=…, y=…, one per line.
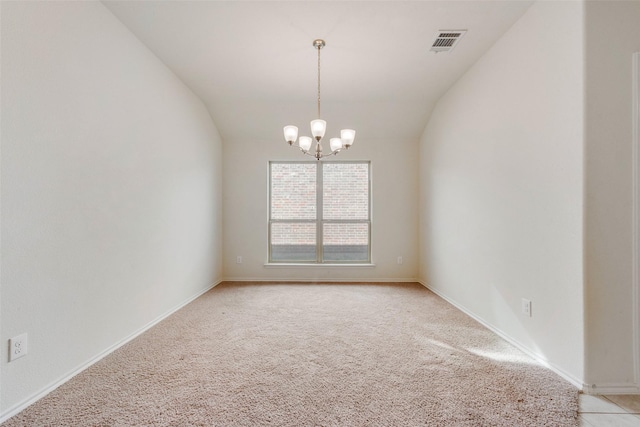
x=318, y=280
x=578, y=383
x=15, y=409
x=611, y=389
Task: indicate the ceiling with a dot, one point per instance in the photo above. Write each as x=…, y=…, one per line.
x=253, y=64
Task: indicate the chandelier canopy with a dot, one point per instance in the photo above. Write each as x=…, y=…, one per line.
x=318, y=128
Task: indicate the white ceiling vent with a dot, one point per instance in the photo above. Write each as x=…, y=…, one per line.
x=446, y=40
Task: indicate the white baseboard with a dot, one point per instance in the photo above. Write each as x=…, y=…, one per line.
x=15, y=409
x=611, y=389
x=578, y=383
x=319, y=280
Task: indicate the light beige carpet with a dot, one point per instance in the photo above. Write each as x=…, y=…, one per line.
x=312, y=355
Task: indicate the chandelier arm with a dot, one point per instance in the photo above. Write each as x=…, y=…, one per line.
x=321, y=156
x=333, y=153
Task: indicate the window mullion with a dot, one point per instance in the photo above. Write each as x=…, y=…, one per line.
x=319, y=214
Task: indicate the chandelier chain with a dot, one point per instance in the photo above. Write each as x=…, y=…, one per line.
x=319, y=47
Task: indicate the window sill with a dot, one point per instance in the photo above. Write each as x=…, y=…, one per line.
x=313, y=265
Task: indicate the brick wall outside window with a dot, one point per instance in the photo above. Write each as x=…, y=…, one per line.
x=293, y=207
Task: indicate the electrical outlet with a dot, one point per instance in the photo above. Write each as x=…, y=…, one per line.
x=399, y=260
x=17, y=347
x=238, y=259
x=526, y=307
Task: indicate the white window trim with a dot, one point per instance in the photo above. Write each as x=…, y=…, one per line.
x=315, y=265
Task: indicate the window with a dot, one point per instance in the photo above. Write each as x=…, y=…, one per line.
x=319, y=212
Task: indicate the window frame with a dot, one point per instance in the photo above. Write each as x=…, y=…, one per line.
x=319, y=221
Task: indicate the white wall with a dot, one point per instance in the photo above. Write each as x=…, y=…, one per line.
x=612, y=36
x=501, y=187
x=111, y=190
x=394, y=214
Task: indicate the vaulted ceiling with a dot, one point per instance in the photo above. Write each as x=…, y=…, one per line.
x=253, y=64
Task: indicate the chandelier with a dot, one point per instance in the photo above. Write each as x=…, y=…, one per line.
x=318, y=128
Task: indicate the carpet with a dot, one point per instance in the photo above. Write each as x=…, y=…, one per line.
x=256, y=354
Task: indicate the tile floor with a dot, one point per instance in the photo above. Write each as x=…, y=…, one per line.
x=610, y=410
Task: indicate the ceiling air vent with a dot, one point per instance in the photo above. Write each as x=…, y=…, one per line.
x=446, y=40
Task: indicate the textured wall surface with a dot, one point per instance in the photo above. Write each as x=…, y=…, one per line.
x=111, y=190
x=394, y=211
x=501, y=175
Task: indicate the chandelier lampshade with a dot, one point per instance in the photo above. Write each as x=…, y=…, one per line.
x=305, y=143
x=290, y=134
x=318, y=128
x=335, y=144
x=347, y=136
